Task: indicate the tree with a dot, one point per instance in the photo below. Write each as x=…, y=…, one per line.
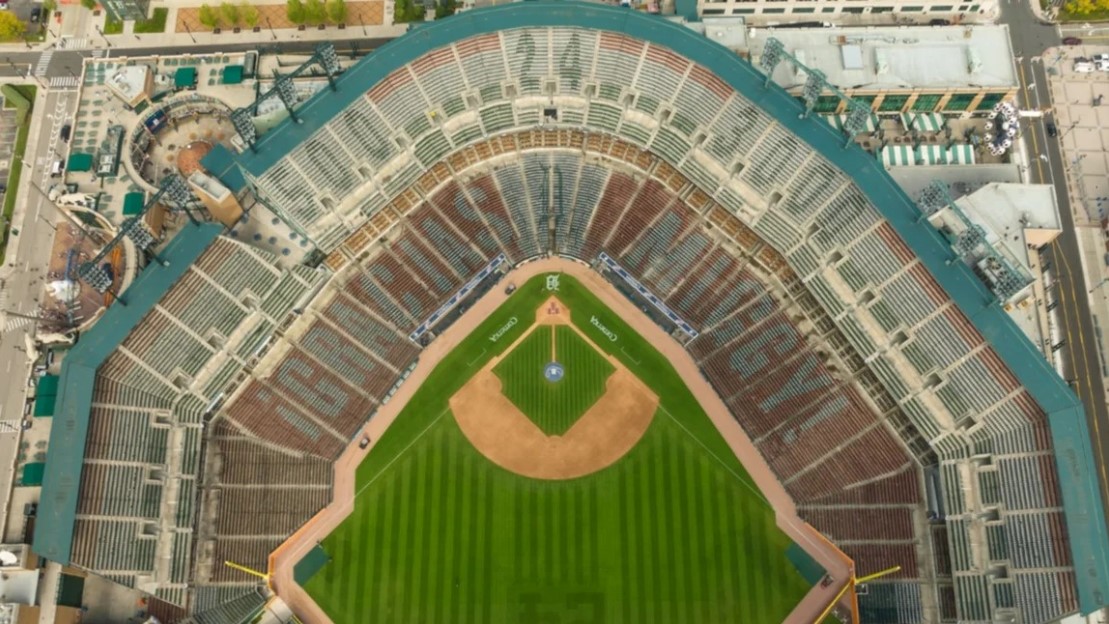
x=11, y=27
x=294, y=10
x=89, y=4
x=445, y=8
x=249, y=12
x=49, y=6
x=208, y=16
x=314, y=12
x=337, y=11
x=230, y=13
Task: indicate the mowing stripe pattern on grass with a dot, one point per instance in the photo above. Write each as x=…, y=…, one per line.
x=672, y=533
x=553, y=406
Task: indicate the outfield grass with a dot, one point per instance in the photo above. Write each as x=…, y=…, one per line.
x=673, y=532
x=553, y=406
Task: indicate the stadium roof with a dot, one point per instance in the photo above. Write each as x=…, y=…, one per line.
x=897, y=57
x=1085, y=513
x=65, y=454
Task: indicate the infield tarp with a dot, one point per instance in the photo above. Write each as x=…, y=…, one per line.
x=1085, y=513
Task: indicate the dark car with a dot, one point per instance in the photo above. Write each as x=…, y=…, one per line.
x=66, y=130
x=36, y=15
x=939, y=21
x=1072, y=41
x=1052, y=131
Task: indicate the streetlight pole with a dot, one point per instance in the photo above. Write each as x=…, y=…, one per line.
x=190, y=31
x=103, y=36
x=272, y=33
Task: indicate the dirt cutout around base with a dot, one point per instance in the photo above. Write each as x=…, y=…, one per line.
x=600, y=437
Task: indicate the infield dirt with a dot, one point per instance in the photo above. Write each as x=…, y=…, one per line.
x=508, y=438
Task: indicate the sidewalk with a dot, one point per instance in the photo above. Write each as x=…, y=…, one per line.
x=79, y=30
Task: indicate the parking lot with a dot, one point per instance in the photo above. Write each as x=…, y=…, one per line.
x=22, y=9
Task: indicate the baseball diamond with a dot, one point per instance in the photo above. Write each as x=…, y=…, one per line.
x=588, y=320
x=489, y=545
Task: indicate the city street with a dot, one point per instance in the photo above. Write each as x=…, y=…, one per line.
x=1030, y=38
x=23, y=273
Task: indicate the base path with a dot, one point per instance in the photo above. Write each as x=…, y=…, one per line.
x=812, y=542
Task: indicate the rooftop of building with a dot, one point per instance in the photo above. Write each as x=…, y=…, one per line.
x=895, y=57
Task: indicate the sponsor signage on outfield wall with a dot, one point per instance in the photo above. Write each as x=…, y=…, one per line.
x=604, y=330
x=497, y=335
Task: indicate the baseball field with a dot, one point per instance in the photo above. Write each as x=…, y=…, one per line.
x=642, y=513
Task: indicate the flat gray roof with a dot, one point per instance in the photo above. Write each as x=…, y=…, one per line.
x=897, y=57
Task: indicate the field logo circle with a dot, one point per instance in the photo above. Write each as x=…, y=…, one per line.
x=553, y=372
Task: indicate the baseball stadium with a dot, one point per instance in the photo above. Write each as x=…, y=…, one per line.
x=596, y=325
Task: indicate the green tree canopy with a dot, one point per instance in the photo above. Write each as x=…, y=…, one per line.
x=337, y=11
x=249, y=13
x=208, y=16
x=11, y=27
x=314, y=12
x=294, y=10
x=230, y=13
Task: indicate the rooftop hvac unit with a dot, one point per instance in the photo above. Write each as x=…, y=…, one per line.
x=881, y=63
x=974, y=61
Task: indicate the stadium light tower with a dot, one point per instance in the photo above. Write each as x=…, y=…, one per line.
x=857, y=116
x=143, y=239
x=99, y=279
x=810, y=93
x=329, y=60
x=933, y=198
x=243, y=120
x=772, y=54
x=288, y=95
x=179, y=193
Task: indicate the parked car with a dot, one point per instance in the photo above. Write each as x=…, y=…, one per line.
x=1072, y=41
x=1052, y=131
x=66, y=130
x=1083, y=66
x=36, y=14
x=939, y=21
x=364, y=442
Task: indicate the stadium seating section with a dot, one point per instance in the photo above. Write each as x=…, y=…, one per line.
x=870, y=395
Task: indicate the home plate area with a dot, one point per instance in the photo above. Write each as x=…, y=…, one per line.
x=554, y=405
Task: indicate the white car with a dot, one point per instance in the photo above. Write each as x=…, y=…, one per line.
x=1083, y=67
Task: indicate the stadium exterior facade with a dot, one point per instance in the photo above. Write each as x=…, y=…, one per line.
x=900, y=399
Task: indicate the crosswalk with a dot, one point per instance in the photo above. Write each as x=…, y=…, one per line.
x=72, y=43
x=44, y=62
x=16, y=322
x=64, y=82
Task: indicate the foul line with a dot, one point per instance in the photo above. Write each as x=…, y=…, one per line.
x=399, y=455
x=474, y=361
x=746, y=482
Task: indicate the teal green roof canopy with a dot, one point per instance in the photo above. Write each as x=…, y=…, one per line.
x=133, y=203
x=32, y=474
x=184, y=78
x=232, y=74
x=80, y=162
x=62, y=479
x=46, y=394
